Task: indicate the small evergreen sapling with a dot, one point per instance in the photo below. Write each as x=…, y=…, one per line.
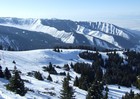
x=38, y=75
x=49, y=78
x=16, y=84
x=7, y=73
x=1, y=73
x=67, y=92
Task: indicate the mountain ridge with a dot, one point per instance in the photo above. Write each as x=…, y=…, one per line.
x=97, y=34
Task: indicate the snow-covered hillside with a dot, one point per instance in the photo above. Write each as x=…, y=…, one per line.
x=99, y=34
x=28, y=61
x=36, y=25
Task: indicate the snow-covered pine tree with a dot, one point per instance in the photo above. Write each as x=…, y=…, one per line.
x=1, y=73
x=95, y=91
x=16, y=84
x=67, y=92
x=38, y=75
x=76, y=81
x=7, y=73
x=49, y=78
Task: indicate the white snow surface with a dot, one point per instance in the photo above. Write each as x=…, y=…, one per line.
x=111, y=29
x=36, y=25
x=28, y=61
x=103, y=31
x=97, y=34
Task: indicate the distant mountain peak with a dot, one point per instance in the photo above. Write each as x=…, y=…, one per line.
x=99, y=34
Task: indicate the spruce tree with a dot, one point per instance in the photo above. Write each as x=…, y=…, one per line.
x=16, y=84
x=66, y=67
x=51, y=69
x=98, y=70
x=71, y=65
x=106, y=93
x=67, y=92
x=7, y=73
x=76, y=81
x=49, y=78
x=95, y=91
x=68, y=76
x=38, y=75
x=1, y=73
x=129, y=95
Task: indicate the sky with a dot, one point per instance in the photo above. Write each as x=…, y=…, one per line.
x=125, y=13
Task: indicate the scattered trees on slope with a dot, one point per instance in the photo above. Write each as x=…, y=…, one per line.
x=95, y=91
x=5, y=74
x=67, y=91
x=50, y=69
x=38, y=75
x=16, y=84
x=131, y=95
x=49, y=78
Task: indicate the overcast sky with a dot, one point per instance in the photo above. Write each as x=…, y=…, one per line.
x=125, y=13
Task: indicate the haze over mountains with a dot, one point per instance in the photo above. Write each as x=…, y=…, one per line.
x=28, y=34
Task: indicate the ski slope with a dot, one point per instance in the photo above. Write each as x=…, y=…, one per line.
x=28, y=61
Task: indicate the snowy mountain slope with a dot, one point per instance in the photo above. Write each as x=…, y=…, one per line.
x=34, y=61
x=105, y=27
x=35, y=25
x=25, y=40
x=28, y=61
x=99, y=34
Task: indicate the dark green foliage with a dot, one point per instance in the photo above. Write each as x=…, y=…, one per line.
x=95, y=91
x=76, y=81
x=133, y=59
x=62, y=73
x=38, y=75
x=98, y=70
x=66, y=67
x=56, y=49
x=138, y=82
x=96, y=57
x=7, y=73
x=116, y=71
x=67, y=92
x=58, y=67
x=106, y=93
x=14, y=62
x=129, y=95
x=116, y=68
x=71, y=65
x=1, y=73
x=84, y=83
x=68, y=76
x=30, y=74
x=85, y=47
x=50, y=69
x=87, y=75
x=16, y=84
x=137, y=96
x=90, y=55
x=49, y=78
